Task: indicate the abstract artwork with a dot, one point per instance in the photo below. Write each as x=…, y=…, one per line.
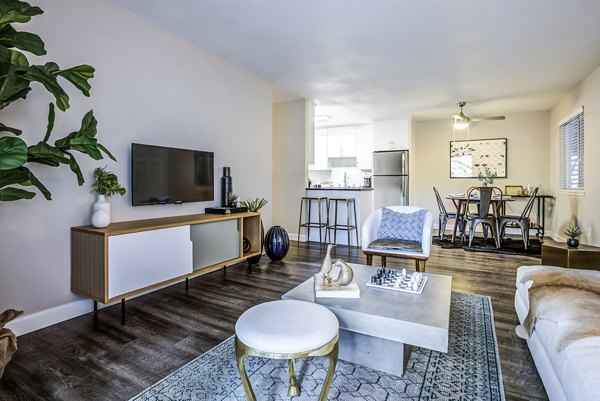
x=468, y=158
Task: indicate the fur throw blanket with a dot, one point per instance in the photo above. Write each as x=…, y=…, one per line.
x=570, y=298
x=8, y=340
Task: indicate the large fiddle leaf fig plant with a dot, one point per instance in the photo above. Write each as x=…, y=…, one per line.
x=16, y=78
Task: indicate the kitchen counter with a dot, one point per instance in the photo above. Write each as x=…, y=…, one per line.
x=340, y=189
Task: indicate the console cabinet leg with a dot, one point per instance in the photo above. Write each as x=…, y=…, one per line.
x=123, y=311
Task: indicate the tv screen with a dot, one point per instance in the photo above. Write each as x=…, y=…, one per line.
x=161, y=175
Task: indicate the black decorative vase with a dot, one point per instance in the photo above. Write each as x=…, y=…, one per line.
x=277, y=243
x=572, y=242
x=255, y=259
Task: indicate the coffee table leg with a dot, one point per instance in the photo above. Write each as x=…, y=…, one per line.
x=374, y=352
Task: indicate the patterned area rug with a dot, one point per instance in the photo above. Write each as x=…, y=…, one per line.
x=469, y=371
x=510, y=246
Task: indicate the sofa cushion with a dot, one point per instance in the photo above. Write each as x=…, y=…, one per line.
x=384, y=244
x=401, y=226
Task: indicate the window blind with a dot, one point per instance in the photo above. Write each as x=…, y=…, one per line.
x=571, y=153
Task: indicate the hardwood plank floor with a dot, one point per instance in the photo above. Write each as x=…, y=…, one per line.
x=98, y=359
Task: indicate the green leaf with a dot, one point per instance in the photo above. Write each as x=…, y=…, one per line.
x=44, y=153
x=75, y=168
x=12, y=194
x=102, y=148
x=12, y=11
x=13, y=152
x=23, y=176
x=46, y=75
x=50, y=126
x=13, y=85
x=25, y=41
x=4, y=128
x=84, y=140
x=79, y=77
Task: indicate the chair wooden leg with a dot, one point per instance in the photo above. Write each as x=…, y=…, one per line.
x=332, y=356
x=369, y=259
x=383, y=261
x=420, y=265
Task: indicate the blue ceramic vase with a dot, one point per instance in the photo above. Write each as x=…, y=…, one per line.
x=277, y=243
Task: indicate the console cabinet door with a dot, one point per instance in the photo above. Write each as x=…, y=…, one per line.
x=138, y=260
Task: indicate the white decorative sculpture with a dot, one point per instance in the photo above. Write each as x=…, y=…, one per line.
x=346, y=274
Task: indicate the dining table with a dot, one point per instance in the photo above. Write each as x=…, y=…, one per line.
x=461, y=202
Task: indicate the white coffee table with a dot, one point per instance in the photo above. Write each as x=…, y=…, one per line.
x=378, y=329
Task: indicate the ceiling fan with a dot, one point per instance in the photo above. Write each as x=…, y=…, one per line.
x=461, y=121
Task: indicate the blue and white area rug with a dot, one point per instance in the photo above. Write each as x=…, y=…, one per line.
x=469, y=371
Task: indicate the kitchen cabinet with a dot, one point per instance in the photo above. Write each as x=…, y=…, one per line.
x=341, y=142
x=320, y=149
x=364, y=144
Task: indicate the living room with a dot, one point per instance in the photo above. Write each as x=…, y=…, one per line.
x=156, y=86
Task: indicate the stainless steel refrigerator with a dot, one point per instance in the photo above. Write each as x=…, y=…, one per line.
x=390, y=178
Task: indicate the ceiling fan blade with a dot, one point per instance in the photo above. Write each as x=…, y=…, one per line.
x=489, y=118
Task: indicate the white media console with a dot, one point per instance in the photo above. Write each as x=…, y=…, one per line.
x=131, y=257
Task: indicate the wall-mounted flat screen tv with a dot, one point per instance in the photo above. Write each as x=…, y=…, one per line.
x=161, y=175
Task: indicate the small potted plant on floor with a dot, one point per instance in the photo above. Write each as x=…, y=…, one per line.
x=107, y=184
x=572, y=233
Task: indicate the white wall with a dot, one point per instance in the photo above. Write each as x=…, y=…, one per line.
x=150, y=87
x=527, y=156
x=583, y=209
x=291, y=121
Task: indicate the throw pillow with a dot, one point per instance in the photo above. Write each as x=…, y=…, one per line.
x=404, y=226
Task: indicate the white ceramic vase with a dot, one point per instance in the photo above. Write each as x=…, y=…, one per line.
x=101, y=212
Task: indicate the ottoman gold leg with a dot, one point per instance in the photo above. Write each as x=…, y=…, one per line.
x=241, y=352
x=333, y=355
x=294, y=390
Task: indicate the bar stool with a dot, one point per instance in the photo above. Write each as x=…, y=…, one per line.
x=320, y=224
x=344, y=227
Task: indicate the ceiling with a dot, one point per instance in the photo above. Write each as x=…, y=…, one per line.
x=382, y=59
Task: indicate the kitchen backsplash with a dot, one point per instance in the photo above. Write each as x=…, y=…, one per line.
x=335, y=177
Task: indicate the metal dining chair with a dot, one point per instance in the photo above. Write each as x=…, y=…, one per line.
x=523, y=221
x=487, y=203
x=445, y=216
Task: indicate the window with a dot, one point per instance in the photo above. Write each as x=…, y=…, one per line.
x=571, y=152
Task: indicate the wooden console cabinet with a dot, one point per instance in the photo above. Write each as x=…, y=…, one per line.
x=131, y=257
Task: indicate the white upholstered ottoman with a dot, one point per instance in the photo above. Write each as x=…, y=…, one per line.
x=287, y=330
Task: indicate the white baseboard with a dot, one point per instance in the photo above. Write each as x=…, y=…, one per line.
x=38, y=320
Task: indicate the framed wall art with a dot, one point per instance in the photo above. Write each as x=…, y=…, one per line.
x=468, y=158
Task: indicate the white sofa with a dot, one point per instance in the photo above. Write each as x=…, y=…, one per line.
x=572, y=374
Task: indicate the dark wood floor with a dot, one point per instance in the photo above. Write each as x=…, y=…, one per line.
x=88, y=359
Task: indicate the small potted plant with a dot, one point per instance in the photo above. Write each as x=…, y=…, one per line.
x=107, y=185
x=572, y=233
x=232, y=199
x=487, y=176
x=254, y=205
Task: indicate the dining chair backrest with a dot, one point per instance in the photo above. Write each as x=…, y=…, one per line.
x=440, y=202
x=482, y=196
x=529, y=205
